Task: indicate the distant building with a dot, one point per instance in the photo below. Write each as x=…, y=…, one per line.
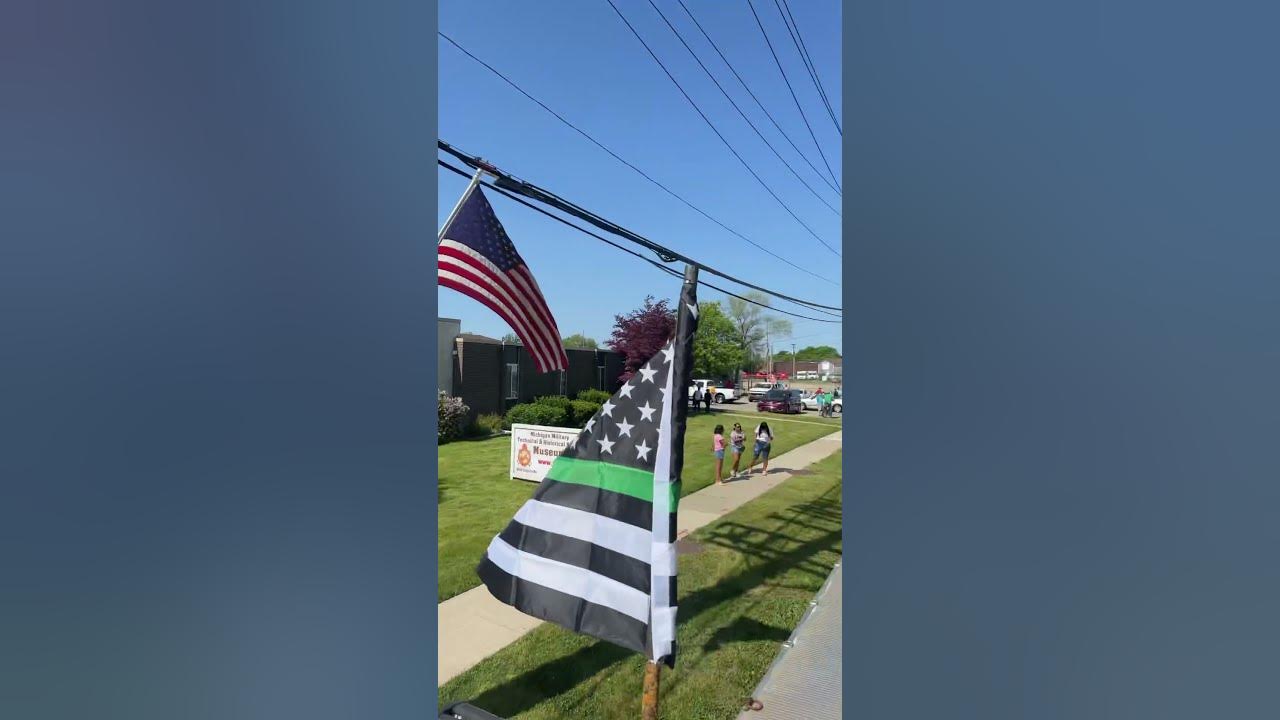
x=490, y=376
x=828, y=369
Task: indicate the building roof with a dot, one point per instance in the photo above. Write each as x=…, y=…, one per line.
x=472, y=337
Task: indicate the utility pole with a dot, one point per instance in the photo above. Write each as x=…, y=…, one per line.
x=768, y=349
x=793, y=362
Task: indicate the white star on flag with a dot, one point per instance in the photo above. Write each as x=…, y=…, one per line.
x=624, y=428
x=646, y=412
x=625, y=390
x=590, y=422
x=648, y=374
x=693, y=309
x=606, y=445
x=642, y=451
x=668, y=353
x=607, y=409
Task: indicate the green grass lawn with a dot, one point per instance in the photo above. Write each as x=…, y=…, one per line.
x=477, y=497
x=741, y=595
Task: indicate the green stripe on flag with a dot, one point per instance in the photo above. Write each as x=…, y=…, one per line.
x=635, y=482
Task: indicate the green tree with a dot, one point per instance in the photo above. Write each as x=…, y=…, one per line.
x=511, y=339
x=817, y=352
x=756, y=329
x=578, y=340
x=716, y=349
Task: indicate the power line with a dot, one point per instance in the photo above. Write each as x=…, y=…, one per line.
x=732, y=69
x=717, y=132
x=778, y=62
x=620, y=159
x=735, y=107
x=660, y=266
x=529, y=190
x=507, y=182
x=806, y=58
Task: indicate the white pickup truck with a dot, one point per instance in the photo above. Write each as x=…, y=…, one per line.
x=718, y=394
x=758, y=391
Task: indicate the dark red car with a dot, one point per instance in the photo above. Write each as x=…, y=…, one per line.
x=781, y=401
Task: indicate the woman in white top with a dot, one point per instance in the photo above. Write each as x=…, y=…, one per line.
x=764, y=441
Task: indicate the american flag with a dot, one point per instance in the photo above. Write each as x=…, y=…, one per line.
x=477, y=259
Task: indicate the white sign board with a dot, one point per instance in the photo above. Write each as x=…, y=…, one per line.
x=535, y=447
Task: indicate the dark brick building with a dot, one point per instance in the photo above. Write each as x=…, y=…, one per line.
x=491, y=376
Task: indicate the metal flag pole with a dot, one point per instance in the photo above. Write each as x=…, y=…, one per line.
x=475, y=180
x=653, y=669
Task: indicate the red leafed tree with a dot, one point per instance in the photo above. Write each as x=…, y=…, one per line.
x=640, y=334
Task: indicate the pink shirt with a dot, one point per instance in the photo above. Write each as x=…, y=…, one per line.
x=719, y=442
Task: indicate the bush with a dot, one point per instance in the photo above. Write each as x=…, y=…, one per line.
x=537, y=414
x=596, y=396
x=559, y=401
x=491, y=424
x=581, y=411
x=452, y=414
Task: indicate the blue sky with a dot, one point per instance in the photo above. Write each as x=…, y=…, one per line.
x=581, y=60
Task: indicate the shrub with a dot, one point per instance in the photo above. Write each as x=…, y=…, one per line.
x=537, y=414
x=595, y=396
x=452, y=415
x=559, y=401
x=581, y=411
x=491, y=424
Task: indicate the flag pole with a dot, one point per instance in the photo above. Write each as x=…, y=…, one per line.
x=653, y=668
x=649, y=704
x=475, y=180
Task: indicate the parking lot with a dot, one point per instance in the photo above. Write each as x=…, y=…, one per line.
x=745, y=406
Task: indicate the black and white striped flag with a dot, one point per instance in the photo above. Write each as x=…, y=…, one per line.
x=594, y=549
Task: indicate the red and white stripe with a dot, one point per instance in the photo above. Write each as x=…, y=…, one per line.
x=513, y=295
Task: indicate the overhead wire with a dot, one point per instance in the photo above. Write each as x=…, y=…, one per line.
x=529, y=190
x=792, y=90
x=728, y=97
x=624, y=161
x=629, y=251
x=710, y=124
x=836, y=187
x=793, y=29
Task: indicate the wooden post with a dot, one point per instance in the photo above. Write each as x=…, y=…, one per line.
x=649, y=703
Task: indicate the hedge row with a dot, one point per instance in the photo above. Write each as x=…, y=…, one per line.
x=557, y=410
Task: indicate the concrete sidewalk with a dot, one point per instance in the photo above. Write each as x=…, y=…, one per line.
x=475, y=625
x=804, y=680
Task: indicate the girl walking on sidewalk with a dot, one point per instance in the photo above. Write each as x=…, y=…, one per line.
x=764, y=441
x=717, y=445
x=737, y=443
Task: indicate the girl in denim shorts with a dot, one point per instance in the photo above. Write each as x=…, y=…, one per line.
x=764, y=441
x=717, y=445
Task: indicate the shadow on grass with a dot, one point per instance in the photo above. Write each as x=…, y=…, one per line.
x=745, y=630
x=553, y=678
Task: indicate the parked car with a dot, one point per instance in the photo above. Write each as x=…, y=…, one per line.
x=810, y=402
x=781, y=401
x=719, y=394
